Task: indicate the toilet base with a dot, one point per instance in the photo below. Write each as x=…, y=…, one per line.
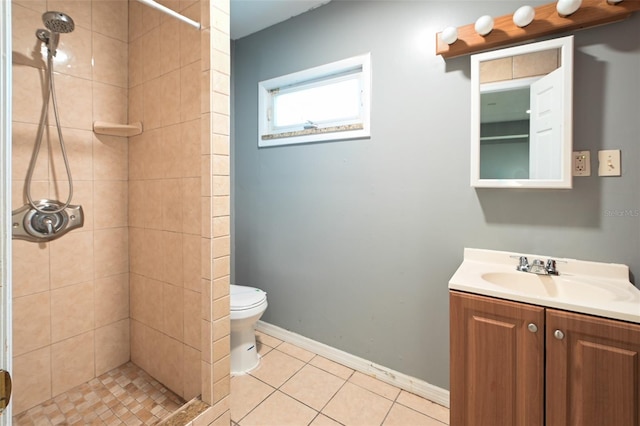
x=244, y=353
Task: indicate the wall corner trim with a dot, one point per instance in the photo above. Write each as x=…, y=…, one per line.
x=387, y=375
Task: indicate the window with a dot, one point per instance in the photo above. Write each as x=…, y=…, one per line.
x=328, y=102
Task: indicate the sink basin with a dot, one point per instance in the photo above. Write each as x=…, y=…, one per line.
x=573, y=287
x=534, y=285
x=595, y=288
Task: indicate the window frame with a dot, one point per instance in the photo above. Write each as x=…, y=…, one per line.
x=336, y=130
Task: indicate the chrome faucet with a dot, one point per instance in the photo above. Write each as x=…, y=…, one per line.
x=537, y=267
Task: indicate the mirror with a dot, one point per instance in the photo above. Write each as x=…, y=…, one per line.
x=521, y=116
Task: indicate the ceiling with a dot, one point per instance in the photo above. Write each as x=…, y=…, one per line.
x=250, y=16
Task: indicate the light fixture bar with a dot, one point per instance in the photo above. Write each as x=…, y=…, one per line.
x=171, y=12
x=546, y=22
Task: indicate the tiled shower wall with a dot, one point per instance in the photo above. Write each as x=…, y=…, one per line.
x=179, y=199
x=70, y=296
x=165, y=217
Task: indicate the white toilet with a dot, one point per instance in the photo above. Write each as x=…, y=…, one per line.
x=247, y=306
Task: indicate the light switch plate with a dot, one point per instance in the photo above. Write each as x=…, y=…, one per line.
x=609, y=163
x=581, y=163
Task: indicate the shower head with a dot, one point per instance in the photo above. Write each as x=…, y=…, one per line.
x=58, y=22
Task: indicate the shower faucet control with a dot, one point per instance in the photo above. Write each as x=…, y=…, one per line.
x=47, y=223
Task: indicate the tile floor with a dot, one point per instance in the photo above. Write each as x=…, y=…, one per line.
x=295, y=387
x=123, y=396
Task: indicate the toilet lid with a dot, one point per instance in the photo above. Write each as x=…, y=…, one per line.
x=243, y=297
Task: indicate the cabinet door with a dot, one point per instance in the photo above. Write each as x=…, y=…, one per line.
x=593, y=371
x=497, y=362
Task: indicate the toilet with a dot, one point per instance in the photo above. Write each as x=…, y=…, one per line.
x=247, y=306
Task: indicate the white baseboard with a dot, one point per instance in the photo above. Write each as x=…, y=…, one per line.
x=387, y=375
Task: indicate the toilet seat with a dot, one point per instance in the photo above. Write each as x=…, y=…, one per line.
x=245, y=298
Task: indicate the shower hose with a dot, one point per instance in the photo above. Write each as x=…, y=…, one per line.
x=51, y=94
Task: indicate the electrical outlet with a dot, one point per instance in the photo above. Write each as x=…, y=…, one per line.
x=581, y=163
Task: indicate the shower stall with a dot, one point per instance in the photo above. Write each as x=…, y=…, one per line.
x=145, y=279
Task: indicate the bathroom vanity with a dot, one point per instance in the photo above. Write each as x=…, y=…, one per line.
x=552, y=350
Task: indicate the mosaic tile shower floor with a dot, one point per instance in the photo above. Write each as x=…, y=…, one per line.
x=123, y=396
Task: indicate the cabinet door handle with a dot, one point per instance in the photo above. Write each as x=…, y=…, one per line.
x=558, y=334
x=532, y=327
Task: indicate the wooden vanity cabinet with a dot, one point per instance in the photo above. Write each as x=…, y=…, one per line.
x=592, y=371
x=499, y=374
x=497, y=363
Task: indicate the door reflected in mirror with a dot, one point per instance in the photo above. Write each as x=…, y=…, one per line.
x=521, y=116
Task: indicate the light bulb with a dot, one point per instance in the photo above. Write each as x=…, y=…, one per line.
x=484, y=25
x=567, y=7
x=524, y=16
x=449, y=35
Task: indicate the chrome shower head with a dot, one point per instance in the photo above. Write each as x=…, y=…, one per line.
x=58, y=22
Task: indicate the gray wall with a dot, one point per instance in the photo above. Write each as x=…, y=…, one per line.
x=355, y=241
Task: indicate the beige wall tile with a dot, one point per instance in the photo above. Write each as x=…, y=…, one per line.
x=152, y=204
x=136, y=104
x=150, y=19
x=116, y=212
x=221, y=246
x=170, y=98
x=172, y=308
x=23, y=138
x=136, y=60
x=206, y=344
x=173, y=150
x=152, y=104
x=110, y=158
x=79, y=10
x=72, y=259
x=112, y=346
x=79, y=147
x=75, y=102
x=496, y=70
x=191, y=262
x=71, y=311
x=221, y=206
x=171, y=207
x=191, y=214
x=172, y=258
x=535, y=64
x=221, y=226
x=221, y=308
x=139, y=345
x=191, y=146
x=191, y=375
x=190, y=91
x=153, y=303
x=27, y=279
x=206, y=301
x=111, y=18
x=221, y=328
x=111, y=299
x=221, y=349
x=221, y=287
x=172, y=364
x=111, y=251
x=153, y=253
x=136, y=250
x=136, y=298
x=153, y=162
x=72, y=362
x=206, y=387
x=192, y=318
x=31, y=322
x=221, y=267
x=25, y=106
x=220, y=123
x=221, y=165
x=77, y=46
x=190, y=37
x=170, y=46
x=221, y=145
x=135, y=20
x=222, y=388
x=31, y=379
x=110, y=103
x=155, y=352
x=151, y=50
x=24, y=20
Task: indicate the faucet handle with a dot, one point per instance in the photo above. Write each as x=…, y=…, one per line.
x=551, y=267
x=523, y=264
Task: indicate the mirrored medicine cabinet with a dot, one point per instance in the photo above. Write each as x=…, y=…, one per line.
x=521, y=116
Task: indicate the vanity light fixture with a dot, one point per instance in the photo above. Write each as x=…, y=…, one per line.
x=449, y=35
x=567, y=7
x=484, y=25
x=524, y=16
x=547, y=21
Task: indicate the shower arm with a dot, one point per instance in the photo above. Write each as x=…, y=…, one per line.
x=171, y=12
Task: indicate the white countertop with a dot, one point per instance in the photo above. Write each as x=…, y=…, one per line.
x=595, y=288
